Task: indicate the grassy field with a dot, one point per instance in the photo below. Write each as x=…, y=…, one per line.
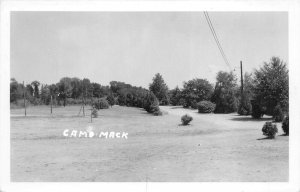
x=215, y=147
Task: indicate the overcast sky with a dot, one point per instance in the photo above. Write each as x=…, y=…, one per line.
x=133, y=47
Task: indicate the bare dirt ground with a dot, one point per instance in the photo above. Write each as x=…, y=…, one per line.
x=215, y=147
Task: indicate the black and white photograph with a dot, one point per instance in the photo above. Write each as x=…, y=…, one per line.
x=149, y=96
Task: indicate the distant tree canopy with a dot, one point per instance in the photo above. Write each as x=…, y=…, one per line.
x=36, y=85
x=224, y=95
x=16, y=90
x=160, y=89
x=175, y=96
x=271, y=86
x=194, y=91
x=264, y=90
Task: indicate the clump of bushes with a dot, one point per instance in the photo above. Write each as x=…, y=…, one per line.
x=194, y=104
x=111, y=100
x=94, y=113
x=158, y=113
x=256, y=111
x=186, y=119
x=101, y=104
x=71, y=101
x=269, y=129
x=278, y=114
x=151, y=104
x=206, y=107
x=245, y=107
x=285, y=125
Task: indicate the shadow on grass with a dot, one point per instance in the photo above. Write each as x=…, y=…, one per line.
x=176, y=107
x=283, y=135
x=247, y=118
x=266, y=138
x=184, y=125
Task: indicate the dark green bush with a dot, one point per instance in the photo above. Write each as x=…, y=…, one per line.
x=278, y=114
x=186, y=119
x=245, y=107
x=269, y=129
x=151, y=103
x=100, y=104
x=111, y=100
x=256, y=111
x=71, y=101
x=157, y=113
x=194, y=104
x=94, y=113
x=154, y=107
x=285, y=125
x=206, y=107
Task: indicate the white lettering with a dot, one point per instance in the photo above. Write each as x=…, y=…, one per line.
x=104, y=134
x=82, y=133
x=125, y=135
x=73, y=133
x=112, y=135
x=65, y=133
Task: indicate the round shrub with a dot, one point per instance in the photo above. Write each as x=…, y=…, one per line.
x=278, y=114
x=94, y=113
x=157, y=113
x=285, y=125
x=101, y=104
x=186, y=119
x=206, y=107
x=269, y=129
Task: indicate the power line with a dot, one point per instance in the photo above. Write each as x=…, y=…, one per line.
x=216, y=38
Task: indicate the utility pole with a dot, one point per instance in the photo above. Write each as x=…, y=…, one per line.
x=91, y=114
x=83, y=103
x=24, y=97
x=242, y=81
x=51, y=103
x=92, y=107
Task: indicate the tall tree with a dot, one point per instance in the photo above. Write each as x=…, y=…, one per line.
x=271, y=85
x=224, y=95
x=175, y=96
x=64, y=89
x=160, y=89
x=196, y=90
x=16, y=90
x=36, y=85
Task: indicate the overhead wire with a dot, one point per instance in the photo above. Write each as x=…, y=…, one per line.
x=216, y=39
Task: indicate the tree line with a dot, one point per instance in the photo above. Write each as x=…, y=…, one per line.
x=265, y=90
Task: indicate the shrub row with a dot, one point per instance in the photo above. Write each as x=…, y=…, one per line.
x=151, y=104
x=101, y=103
x=206, y=107
x=270, y=129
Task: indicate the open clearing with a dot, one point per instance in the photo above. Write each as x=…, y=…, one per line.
x=215, y=147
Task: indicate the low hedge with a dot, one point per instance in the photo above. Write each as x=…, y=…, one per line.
x=206, y=107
